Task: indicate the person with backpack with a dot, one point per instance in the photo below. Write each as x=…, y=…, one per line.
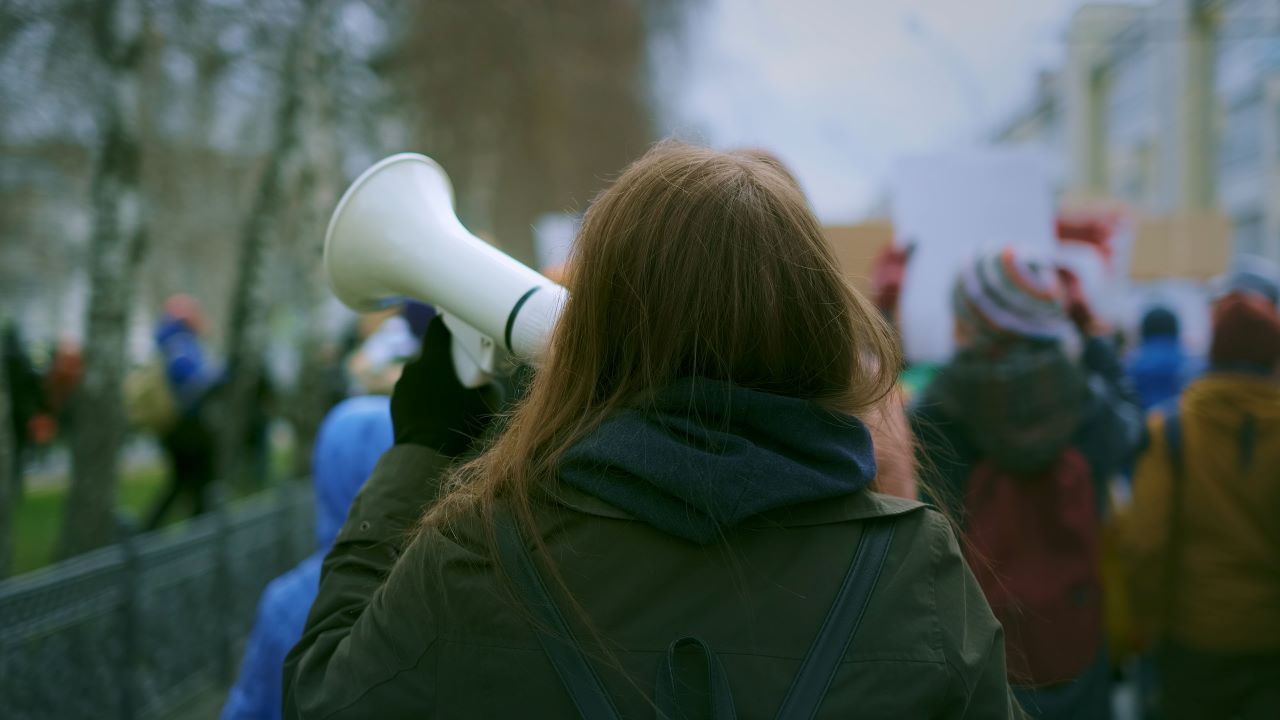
x=1023, y=428
x=169, y=399
x=26, y=400
x=1201, y=535
x=675, y=519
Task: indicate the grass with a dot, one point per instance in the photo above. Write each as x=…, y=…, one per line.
x=38, y=517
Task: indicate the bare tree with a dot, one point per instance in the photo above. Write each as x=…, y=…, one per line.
x=315, y=186
x=531, y=107
x=116, y=247
x=7, y=463
x=247, y=328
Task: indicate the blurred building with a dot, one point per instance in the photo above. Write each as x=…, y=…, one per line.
x=1171, y=106
x=1247, y=94
x=1041, y=126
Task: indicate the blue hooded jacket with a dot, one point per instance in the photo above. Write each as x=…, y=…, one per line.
x=352, y=438
x=1159, y=369
x=190, y=373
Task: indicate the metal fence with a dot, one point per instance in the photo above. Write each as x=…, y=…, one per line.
x=136, y=630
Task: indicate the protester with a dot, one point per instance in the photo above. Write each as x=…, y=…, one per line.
x=171, y=401
x=1023, y=437
x=26, y=399
x=351, y=439
x=690, y=476
x=375, y=366
x=1160, y=367
x=888, y=275
x=1202, y=533
x=61, y=381
x=897, y=470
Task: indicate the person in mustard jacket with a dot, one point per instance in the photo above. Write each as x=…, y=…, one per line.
x=1202, y=533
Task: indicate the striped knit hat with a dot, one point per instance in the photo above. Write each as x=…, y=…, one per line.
x=1011, y=294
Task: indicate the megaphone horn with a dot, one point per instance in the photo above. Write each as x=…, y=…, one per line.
x=394, y=235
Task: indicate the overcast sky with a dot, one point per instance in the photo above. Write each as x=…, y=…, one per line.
x=839, y=88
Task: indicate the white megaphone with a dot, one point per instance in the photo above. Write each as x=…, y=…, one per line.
x=395, y=235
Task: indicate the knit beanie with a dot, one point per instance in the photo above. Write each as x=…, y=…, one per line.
x=1010, y=294
x=1246, y=332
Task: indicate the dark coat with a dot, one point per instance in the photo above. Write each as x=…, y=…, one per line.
x=1022, y=412
x=430, y=632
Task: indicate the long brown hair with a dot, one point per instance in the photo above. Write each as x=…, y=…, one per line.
x=693, y=263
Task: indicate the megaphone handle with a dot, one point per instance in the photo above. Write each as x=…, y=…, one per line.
x=469, y=353
x=469, y=372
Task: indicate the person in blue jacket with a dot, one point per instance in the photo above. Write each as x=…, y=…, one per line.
x=1160, y=367
x=352, y=438
x=189, y=442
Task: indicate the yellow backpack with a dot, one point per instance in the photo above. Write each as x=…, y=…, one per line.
x=148, y=399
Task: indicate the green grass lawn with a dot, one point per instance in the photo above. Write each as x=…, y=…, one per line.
x=38, y=517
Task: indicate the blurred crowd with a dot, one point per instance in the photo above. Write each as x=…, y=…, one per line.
x=1116, y=491
x=176, y=396
x=1115, y=494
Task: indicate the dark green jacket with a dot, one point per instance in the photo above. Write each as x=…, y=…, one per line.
x=429, y=632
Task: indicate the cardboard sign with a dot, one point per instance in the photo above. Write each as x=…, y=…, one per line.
x=1187, y=245
x=856, y=247
x=950, y=206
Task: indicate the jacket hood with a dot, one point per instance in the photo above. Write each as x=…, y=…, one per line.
x=701, y=456
x=351, y=439
x=184, y=359
x=1158, y=370
x=1158, y=353
x=1226, y=399
x=1021, y=408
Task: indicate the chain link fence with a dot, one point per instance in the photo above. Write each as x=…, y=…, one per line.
x=138, y=629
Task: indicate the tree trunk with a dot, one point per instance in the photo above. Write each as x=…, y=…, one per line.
x=8, y=448
x=318, y=188
x=246, y=336
x=116, y=247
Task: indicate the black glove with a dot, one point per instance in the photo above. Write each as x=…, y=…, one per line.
x=429, y=407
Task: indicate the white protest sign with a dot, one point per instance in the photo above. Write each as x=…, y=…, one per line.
x=949, y=206
x=553, y=235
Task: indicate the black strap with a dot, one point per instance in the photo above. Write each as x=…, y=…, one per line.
x=557, y=640
x=819, y=667
x=807, y=690
x=1177, y=491
x=692, y=684
x=1173, y=436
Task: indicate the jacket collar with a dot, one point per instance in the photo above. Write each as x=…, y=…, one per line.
x=861, y=505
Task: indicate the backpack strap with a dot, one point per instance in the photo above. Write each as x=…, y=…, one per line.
x=819, y=666
x=692, y=684
x=1173, y=439
x=554, y=635
x=1178, y=480
x=807, y=690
